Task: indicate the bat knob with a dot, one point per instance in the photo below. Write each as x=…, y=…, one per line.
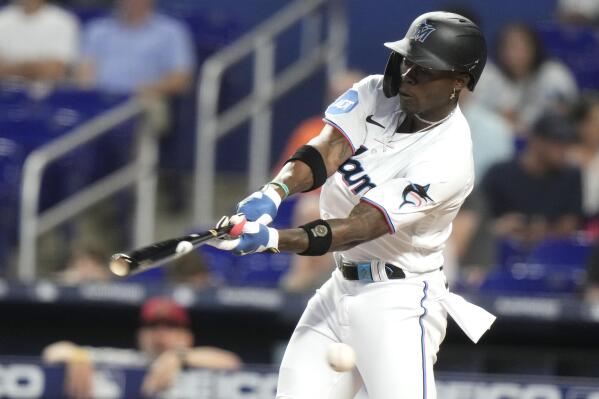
x=120, y=264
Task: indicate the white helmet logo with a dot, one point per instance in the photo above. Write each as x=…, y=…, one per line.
x=423, y=32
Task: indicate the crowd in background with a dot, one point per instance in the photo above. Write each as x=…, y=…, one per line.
x=535, y=130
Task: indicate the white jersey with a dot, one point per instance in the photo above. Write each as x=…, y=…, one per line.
x=49, y=33
x=417, y=180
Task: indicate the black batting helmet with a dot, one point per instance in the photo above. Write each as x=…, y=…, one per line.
x=441, y=41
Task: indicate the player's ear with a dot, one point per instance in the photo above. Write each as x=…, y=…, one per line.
x=461, y=81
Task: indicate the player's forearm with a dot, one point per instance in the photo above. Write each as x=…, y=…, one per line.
x=296, y=240
x=212, y=358
x=172, y=84
x=296, y=175
x=48, y=69
x=365, y=223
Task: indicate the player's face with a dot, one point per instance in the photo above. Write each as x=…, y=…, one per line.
x=154, y=340
x=550, y=152
x=424, y=89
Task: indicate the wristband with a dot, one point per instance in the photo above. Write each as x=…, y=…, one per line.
x=282, y=186
x=320, y=237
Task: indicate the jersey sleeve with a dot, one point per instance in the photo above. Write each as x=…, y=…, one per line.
x=348, y=112
x=404, y=201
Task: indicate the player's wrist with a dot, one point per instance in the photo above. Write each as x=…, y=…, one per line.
x=273, y=238
x=270, y=190
x=281, y=188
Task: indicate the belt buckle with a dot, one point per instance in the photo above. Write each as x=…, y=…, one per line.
x=364, y=272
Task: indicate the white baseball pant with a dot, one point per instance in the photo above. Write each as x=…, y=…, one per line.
x=395, y=328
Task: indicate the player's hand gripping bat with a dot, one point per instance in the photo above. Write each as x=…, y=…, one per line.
x=142, y=259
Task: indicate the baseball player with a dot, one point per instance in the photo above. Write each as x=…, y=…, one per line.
x=395, y=165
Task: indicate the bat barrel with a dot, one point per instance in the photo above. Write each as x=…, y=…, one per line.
x=121, y=265
x=139, y=260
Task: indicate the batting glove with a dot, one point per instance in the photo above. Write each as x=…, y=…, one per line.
x=254, y=237
x=261, y=206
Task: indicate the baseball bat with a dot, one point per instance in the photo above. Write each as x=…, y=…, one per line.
x=142, y=259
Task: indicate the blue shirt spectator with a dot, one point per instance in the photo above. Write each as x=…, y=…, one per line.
x=137, y=50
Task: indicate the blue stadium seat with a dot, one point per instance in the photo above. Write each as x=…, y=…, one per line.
x=27, y=123
x=257, y=270
x=552, y=266
x=577, y=47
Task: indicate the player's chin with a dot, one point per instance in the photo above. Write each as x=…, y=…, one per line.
x=409, y=105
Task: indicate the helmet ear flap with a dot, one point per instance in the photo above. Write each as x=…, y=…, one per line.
x=392, y=77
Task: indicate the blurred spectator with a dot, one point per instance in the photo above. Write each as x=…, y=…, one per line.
x=191, y=269
x=585, y=154
x=165, y=346
x=524, y=83
x=38, y=41
x=592, y=286
x=578, y=12
x=471, y=243
x=307, y=273
x=137, y=50
x=537, y=195
x=492, y=137
x=86, y=264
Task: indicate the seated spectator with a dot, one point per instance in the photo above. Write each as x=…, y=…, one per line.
x=191, y=269
x=165, y=346
x=585, y=154
x=578, y=12
x=38, y=41
x=87, y=264
x=524, y=83
x=536, y=195
x=470, y=243
x=137, y=50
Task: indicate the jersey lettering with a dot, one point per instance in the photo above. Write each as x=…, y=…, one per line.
x=354, y=176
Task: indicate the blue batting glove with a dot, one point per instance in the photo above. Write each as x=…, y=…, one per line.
x=261, y=206
x=255, y=237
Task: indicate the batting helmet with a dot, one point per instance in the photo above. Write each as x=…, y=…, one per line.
x=441, y=41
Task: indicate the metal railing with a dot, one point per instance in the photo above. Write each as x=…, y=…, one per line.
x=267, y=87
x=141, y=172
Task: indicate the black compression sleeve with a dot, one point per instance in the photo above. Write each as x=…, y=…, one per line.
x=311, y=157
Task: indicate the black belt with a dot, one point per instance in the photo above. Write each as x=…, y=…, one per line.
x=356, y=271
x=351, y=271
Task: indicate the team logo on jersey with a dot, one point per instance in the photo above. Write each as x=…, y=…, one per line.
x=344, y=104
x=423, y=32
x=415, y=194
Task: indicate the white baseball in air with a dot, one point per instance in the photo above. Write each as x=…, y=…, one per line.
x=184, y=247
x=341, y=357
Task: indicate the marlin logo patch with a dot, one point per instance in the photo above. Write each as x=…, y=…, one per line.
x=423, y=32
x=415, y=194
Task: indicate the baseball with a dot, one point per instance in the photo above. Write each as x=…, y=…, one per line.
x=184, y=247
x=341, y=357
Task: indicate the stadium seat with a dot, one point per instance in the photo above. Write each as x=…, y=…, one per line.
x=552, y=266
x=257, y=270
x=577, y=47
